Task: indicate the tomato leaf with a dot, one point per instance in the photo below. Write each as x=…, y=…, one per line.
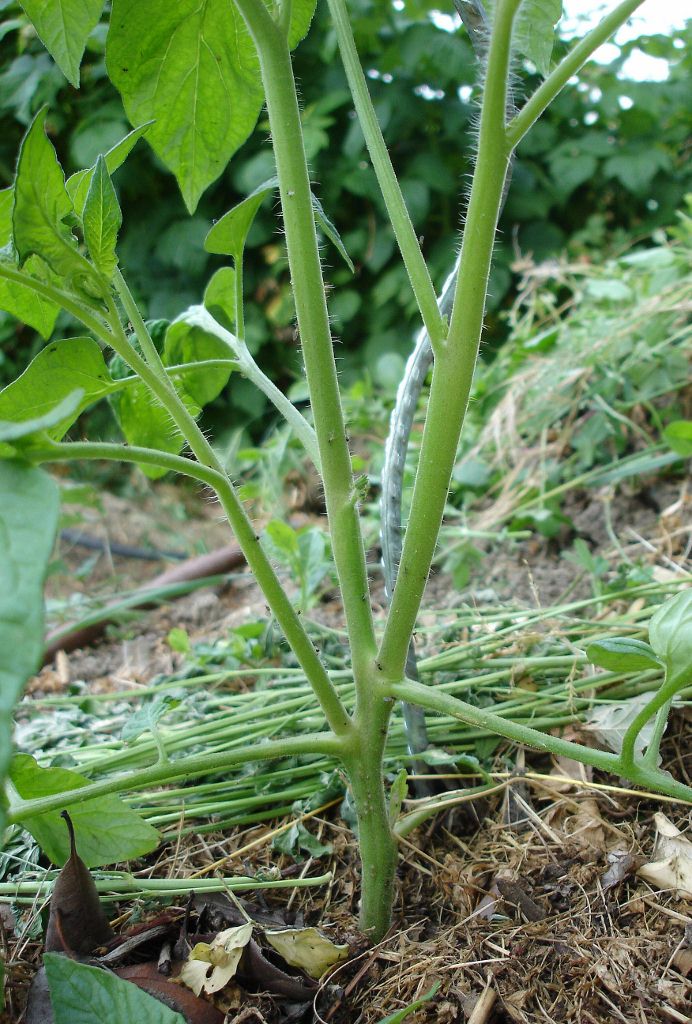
x=187, y=344
x=397, y=795
x=323, y=222
x=67, y=409
x=670, y=633
x=87, y=995
x=41, y=204
x=22, y=302
x=142, y=419
x=102, y=220
x=77, y=184
x=59, y=371
x=28, y=521
x=228, y=236
x=107, y=828
x=220, y=298
x=622, y=654
x=193, y=69
x=19, y=300
x=63, y=27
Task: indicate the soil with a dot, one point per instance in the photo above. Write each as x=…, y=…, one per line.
x=526, y=908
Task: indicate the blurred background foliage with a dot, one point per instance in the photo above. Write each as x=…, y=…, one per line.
x=606, y=166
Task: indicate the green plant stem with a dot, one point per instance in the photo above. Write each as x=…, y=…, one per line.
x=239, y=298
x=126, y=884
x=245, y=364
x=177, y=369
x=410, y=821
x=200, y=317
x=144, y=338
x=155, y=377
x=662, y=697
x=248, y=540
x=68, y=302
x=456, y=358
x=185, y=767
x=431, y=699
x=376, y=841
x=568, y=66
x=313, y=323
x=294, y=631
x=284, y=15
x=651, y=755
x=406, y=237
x=109, y=452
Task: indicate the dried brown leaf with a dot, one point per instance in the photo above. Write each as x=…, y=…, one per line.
x=77, y=923
x=622, y=864
x=306, y=948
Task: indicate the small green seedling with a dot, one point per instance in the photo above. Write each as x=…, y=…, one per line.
x=194, y=83
x=670, y=649
x=147, y=719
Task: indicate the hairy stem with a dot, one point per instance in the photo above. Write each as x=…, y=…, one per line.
x=155, y=377
x=184, y=767
x=70, y=303
x=376, y=840
x=664, y=696
x=313, y=323
x=416, y=267
x=200, y=317
x=456, y=358
x=109, y=452
x=434, y=700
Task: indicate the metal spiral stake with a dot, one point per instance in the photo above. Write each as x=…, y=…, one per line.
x=476, y=22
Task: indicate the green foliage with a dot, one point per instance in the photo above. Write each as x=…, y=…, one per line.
x=41, y=206
x=622, y=654
x=679, y=436
x=17, y=300
x=28, y=520
x=196, y=75
x=64, y=369
x=400, y=1015
x=71, y=375
x=88, y=995
x=296, y=841
x=107, y=829
x=567, y=190
x=534, y=31
x=229, y=234
x=64, y=27
x=159, y=407
x=102, y=220
x=670, y=635
x=147, y=718
x=204, y=99
x=78, y=184
x=572, y=385
x=305, y=553
x=397, y=795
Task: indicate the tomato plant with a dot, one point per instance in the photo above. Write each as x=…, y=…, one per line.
x=193, y=80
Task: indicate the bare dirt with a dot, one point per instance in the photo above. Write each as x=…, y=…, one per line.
x=524, y=909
